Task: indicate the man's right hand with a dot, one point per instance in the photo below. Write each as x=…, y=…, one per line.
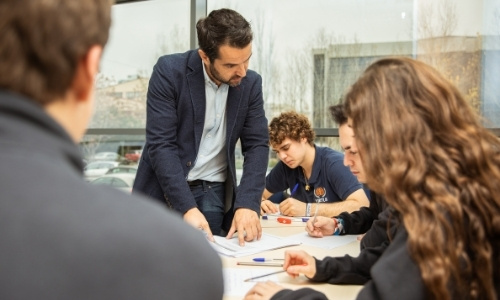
x=195, y=218
x=321, y=227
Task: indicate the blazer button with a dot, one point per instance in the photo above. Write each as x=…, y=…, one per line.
x=188, y=164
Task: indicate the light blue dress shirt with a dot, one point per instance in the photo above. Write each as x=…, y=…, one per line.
x=211, y=162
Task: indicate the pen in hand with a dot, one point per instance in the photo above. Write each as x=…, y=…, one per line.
x=292, y=193
x=259, y=264
x=315, y=213
x=265, y=275
x=319, y=193
x=266, y=259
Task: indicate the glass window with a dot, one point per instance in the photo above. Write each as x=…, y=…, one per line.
x=307, y=52
x=140, y=33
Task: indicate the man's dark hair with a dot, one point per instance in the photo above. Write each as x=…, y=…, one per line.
x=338, y=114
x=223, y=27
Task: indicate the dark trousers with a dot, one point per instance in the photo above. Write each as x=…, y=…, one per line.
x=210, y=197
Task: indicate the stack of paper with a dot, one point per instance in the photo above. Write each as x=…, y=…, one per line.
x=267, y=242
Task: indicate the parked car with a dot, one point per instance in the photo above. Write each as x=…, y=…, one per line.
x=122, y=169
x=108, y=156
x=98, y=168
x=121, y=181
x=134, y=155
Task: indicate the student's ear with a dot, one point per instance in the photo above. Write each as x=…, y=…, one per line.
x=87, y=68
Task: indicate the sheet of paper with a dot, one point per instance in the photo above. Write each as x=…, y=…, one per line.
x=267, y=242
x=327, y=242
x=234, y=280
x=277, y=215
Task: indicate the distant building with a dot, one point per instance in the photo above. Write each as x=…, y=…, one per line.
x=121, y=105
x=133, y=88
x=466, y=61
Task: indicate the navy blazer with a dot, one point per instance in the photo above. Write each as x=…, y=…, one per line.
x=175, y=119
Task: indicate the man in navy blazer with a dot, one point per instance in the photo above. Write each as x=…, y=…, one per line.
x=199, y=104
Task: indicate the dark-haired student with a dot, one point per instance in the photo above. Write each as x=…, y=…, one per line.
x=357, y=222
x=375, y=220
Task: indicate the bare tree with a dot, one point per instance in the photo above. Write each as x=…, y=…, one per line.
x=173, y=41
x=458, y=58
x=296, y=82
x=490, y=92
x=292, y=86
x=90, y=143
x=436, y=18
x=263, y=56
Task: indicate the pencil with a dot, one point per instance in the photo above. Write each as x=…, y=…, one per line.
x=268, y=274
x=262, y=264
x=316, y=212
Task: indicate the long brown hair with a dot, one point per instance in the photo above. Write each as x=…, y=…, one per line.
x=424, y=148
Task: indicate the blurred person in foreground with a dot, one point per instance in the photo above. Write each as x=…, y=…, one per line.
x=425, y=150
x=199, y=104
x=63, y=238
x=303, y=168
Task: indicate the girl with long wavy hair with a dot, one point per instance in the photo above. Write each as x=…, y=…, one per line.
x=423, y=148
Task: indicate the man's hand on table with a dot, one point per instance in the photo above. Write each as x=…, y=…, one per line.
x=195, y=218
x=246, y=222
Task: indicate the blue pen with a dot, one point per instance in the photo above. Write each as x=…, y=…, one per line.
x=262, y=259
x=294, y=189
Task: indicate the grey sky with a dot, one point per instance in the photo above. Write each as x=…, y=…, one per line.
x=134, y=43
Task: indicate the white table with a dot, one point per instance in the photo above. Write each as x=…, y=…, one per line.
x=340, y=292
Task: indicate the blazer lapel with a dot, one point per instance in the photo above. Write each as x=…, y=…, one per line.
x=196, y=87
x=234, y=97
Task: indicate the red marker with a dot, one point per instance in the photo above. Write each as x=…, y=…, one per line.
x=285, y=220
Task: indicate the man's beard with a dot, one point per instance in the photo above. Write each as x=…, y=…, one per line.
x=216, y=75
